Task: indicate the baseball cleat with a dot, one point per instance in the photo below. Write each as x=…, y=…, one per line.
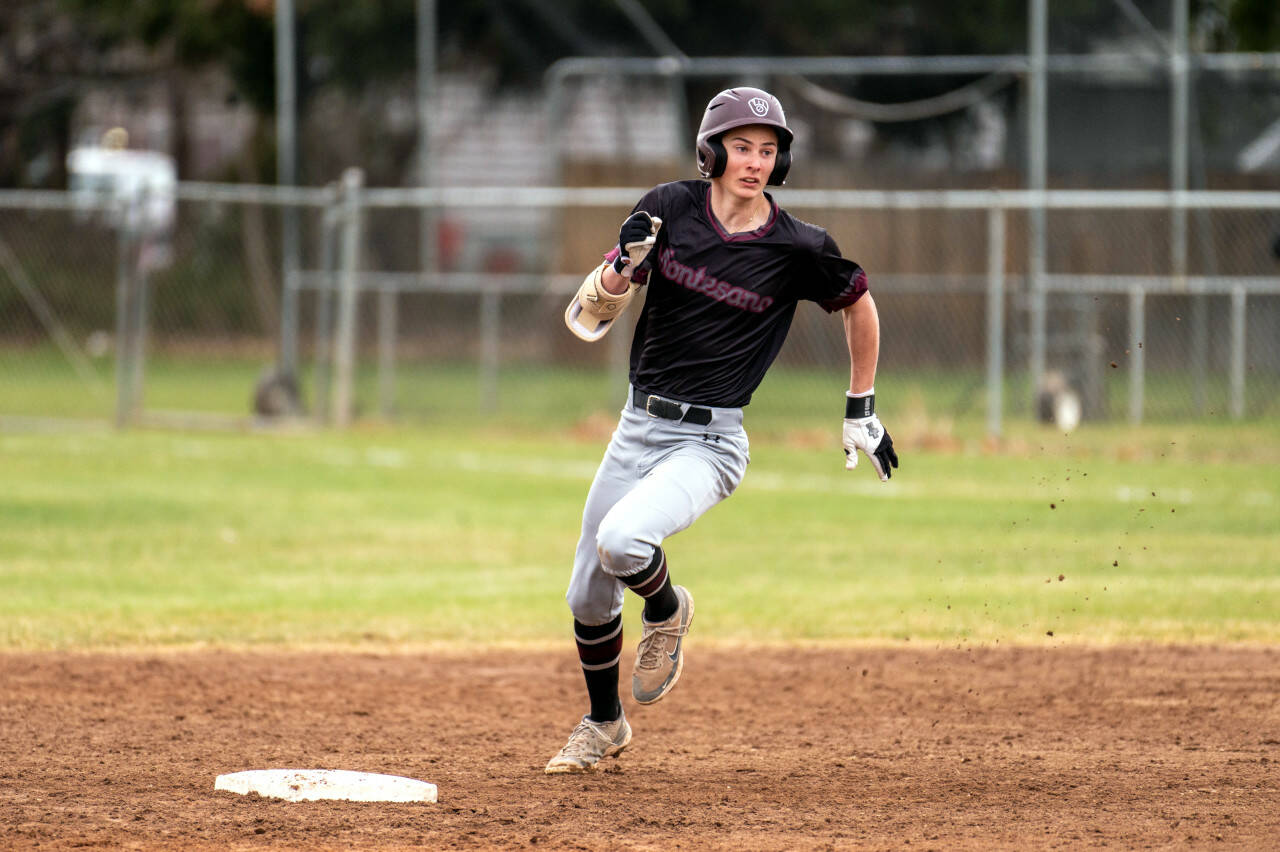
x=660, y=656
x=589, y=742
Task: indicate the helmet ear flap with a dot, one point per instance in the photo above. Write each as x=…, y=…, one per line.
x=780, y=168
x=712, y=157
x=719, y=157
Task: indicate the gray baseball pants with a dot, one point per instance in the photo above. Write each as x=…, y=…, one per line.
x=657, y=477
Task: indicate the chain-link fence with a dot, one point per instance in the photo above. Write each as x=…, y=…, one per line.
x=101, y=319
x=107, y=313
x=58, y=273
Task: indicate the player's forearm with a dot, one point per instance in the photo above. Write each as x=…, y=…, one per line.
x=613, y=282
x=862, y=332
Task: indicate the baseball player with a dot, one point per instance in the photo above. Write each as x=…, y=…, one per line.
x=725, y=268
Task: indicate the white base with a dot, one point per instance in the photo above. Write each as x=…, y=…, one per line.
x=309, y=785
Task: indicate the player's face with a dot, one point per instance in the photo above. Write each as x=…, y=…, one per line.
x=751, y=153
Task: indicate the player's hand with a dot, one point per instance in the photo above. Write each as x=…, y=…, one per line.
x=636, y=237
x=865, y=433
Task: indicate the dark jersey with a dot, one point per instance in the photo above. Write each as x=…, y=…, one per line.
x=718, y=306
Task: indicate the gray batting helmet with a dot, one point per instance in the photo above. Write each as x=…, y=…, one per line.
x=737, y=108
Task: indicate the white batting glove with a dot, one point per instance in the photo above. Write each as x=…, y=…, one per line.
x=864, y=432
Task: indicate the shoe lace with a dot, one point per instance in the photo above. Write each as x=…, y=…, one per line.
x=581, y=741
x=653, y=648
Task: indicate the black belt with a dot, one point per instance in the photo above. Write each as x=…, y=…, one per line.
x=656, y=406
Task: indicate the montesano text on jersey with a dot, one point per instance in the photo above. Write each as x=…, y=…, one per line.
x=718, y=305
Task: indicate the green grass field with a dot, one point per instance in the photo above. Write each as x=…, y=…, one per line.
x=462, y=535
x=39, y=382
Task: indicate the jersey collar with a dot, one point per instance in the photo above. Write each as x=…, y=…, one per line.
x=745, y=235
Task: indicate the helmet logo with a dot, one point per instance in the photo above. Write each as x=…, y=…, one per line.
x=759, y=106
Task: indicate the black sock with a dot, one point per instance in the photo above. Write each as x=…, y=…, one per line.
x=653, y=583
x=600, y=650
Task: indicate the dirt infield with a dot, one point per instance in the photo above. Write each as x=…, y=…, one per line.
x=1051, y=748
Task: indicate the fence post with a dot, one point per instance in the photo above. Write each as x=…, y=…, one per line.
x=287, y=175
x=329, y=236
x=1179, y=138
x=1137, y=330
x=995, y=318
x=344, y=355
x=1236, y=400
x=1037, y=180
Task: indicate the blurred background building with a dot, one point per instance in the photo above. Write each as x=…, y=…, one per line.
x=534, y=93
